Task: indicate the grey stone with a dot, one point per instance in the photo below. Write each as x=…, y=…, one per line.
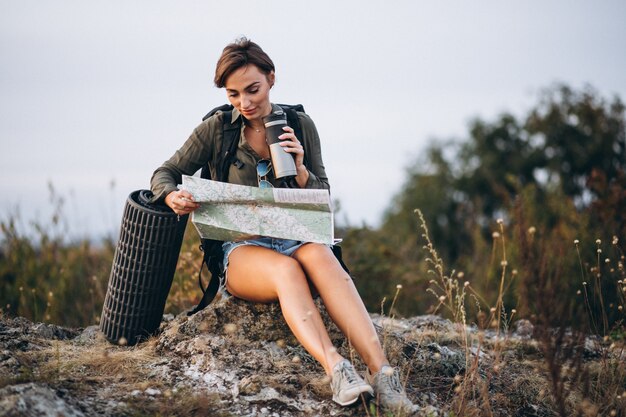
x=90, y=335
x=523, y=328
x=34, y=400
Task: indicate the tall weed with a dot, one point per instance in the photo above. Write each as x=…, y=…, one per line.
x=46, y=277
x=575, y=318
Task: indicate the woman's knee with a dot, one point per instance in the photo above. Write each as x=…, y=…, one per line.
x=286, y=266
x=288, y=272
x=313, y=254
x=317, y=259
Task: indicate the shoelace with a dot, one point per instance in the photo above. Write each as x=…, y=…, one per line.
x=393, y=381
x=348, y=373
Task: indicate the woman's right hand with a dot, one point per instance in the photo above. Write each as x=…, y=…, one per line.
x=181, y=202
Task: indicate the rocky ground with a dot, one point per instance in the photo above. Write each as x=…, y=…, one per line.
x=240, y=359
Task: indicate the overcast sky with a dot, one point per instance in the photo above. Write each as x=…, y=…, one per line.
x=94, y=93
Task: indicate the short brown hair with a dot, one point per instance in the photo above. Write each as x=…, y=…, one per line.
x=239, y=54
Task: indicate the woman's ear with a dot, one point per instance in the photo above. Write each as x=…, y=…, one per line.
x=271, y=78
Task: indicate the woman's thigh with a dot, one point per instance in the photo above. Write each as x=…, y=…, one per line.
x=319, y=263
x=257, y=274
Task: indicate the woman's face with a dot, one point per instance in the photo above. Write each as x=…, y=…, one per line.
x=248, y=90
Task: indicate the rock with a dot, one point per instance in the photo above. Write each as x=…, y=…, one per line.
x=592, y=347
x=17, y=333
x=523, y=328
x=240, y=358
x=51, y=331
x=90, y=335
x=429, y=411
x=250, y=385
x=431, y=322
x=36, y=400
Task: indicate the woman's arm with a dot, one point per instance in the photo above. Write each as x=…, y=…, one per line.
x=193, y=155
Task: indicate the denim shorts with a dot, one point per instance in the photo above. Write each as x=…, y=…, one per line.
x=285, y=246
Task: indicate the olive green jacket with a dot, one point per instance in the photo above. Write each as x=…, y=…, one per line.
x=204, y=147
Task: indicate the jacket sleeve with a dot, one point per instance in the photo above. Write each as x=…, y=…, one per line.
x=193, y=155
x=313, y=152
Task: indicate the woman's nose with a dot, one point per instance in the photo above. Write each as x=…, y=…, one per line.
x=245, y=101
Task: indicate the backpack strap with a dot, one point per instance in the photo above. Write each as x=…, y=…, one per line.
x=213, y=258
x=231, y=133
x=230, y=139
x=223, y=107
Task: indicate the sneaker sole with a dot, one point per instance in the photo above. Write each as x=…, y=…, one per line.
x=366, y=390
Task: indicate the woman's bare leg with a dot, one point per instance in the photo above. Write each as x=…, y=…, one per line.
x=262, y=275
x=342, y=301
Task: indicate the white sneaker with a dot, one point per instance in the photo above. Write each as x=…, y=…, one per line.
x=389, y=393
x=347, y=384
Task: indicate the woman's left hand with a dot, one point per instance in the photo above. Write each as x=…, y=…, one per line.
x=291, y=144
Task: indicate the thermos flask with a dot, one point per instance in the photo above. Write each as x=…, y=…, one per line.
x=282, y=162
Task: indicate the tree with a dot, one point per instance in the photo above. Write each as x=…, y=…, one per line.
x=559, y=170
x=571, y=142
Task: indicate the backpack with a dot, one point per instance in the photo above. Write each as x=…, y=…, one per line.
x=213, y=255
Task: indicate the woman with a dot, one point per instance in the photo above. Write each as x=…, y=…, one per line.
x=267, y=270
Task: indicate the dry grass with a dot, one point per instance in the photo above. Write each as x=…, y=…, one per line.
x=100, y=361
x=550, y=373
x=87, y=369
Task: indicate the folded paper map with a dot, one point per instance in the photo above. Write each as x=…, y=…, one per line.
x=237, y=212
